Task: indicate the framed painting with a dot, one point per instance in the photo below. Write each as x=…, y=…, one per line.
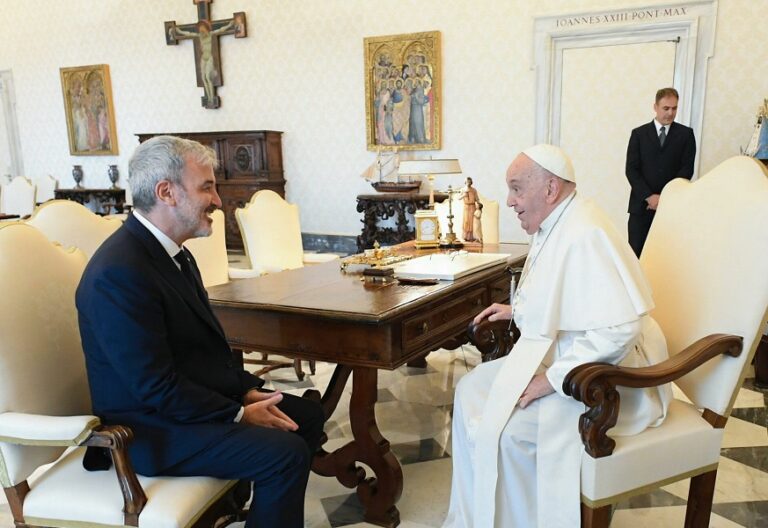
x=402, y=91
x=87, y=92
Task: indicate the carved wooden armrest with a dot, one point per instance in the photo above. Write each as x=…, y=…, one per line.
x=594, y=384
x=494, y=339
x=116, y=438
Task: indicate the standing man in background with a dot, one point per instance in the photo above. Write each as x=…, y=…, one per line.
x=657, y=153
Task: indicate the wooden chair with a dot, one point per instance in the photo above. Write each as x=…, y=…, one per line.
x=272, y=238
x=45, y=411
x=73, y=225
x=489, y=221
x=18, y=197
x=705, y=259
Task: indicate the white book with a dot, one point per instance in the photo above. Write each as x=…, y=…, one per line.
x=447, y=266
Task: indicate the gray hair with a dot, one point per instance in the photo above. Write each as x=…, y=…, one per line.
x=163, y=158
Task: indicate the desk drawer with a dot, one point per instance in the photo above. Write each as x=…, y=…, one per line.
x=499, y=290
x=446, y=318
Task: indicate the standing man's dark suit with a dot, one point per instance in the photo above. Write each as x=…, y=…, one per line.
x=650, y=167
x=158, y=362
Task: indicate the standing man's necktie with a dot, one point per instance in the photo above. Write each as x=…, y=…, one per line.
x=662, y=136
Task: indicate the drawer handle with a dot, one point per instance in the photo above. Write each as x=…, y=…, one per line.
x=424, y=327
x=478, y=301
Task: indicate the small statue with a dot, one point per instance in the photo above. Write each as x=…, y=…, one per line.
x=477, y=226
x=470, y=198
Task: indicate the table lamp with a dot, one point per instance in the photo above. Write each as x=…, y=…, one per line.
x=429, y=168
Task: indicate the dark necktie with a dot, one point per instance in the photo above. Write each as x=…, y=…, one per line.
x=663, y=136
x=186, y=270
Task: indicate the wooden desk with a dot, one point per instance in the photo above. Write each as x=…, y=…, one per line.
x=319, y=312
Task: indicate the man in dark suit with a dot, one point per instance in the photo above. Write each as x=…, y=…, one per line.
x=658, y=152
x=157, y=357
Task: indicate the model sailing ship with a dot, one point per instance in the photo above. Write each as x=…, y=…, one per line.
x=381, y=171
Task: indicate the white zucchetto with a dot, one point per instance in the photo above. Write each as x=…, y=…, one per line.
x=553, y=159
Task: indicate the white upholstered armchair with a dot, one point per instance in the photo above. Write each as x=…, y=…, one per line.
x=46, y=188
x=272, y=238
x=272, y=234
x=45, y=411
x=211, y=255
x=18, y=197
x=73, y=225
x=705, y=259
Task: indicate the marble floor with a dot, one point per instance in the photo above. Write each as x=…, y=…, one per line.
x=414, y=414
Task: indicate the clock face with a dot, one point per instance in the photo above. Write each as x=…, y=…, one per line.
x=428, y=226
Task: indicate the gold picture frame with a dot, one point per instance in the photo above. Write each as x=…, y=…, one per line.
x=403, y=80
x=87, y=92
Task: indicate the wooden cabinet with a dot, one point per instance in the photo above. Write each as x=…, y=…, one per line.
x=249, y=161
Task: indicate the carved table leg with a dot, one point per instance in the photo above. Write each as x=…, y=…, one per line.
x=761, y=364
x=380, y=492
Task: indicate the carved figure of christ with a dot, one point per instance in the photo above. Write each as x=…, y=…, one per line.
x=205, y=36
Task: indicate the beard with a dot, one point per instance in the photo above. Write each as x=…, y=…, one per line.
x=195, y=220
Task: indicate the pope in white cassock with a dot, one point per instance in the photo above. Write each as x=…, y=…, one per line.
x=582, y=297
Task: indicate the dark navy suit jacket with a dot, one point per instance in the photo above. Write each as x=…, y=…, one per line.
x=157, y=358
x=650, y=166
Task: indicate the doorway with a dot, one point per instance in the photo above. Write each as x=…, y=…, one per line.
x=606, y=92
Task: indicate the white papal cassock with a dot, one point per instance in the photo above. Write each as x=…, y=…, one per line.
x=582, y=297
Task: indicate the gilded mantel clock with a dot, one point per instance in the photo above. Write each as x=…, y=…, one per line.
x=427, y=229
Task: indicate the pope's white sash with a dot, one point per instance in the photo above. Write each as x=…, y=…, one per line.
x=510, y=382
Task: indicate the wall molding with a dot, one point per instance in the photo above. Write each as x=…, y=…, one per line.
x=691, y=24
x=8, y=100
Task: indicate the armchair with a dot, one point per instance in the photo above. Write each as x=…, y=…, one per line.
x=50, y=422
x=18, y=197
x=211, y=255
x=704, y=258
x=73, y=225
x=46, y=188
x=272, y=238
x=272, y=234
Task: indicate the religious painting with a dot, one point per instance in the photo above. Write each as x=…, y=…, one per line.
x=89, y=111
x=402, y=91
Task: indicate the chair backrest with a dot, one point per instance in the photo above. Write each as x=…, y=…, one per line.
x=271, y=232
x=18, y=197
x=705, y=258
x=211, y=253
x=489, y=220
x=46, y=188
x=41, y=359
x=71, y=224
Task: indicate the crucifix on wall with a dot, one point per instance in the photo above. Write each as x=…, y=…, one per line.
x=205, y=34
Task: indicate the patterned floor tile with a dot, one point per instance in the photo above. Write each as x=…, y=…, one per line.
x=735, y=482
x=343, y=510
x=741, y=433
x=421, y=451
x=657, y=498
x=756, y=415
x=665, y=517
x=751, y=514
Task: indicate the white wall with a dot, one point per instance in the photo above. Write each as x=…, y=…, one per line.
x=301, y=71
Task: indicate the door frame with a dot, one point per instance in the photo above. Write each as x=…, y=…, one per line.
x=690, y=24
x=8, y=100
